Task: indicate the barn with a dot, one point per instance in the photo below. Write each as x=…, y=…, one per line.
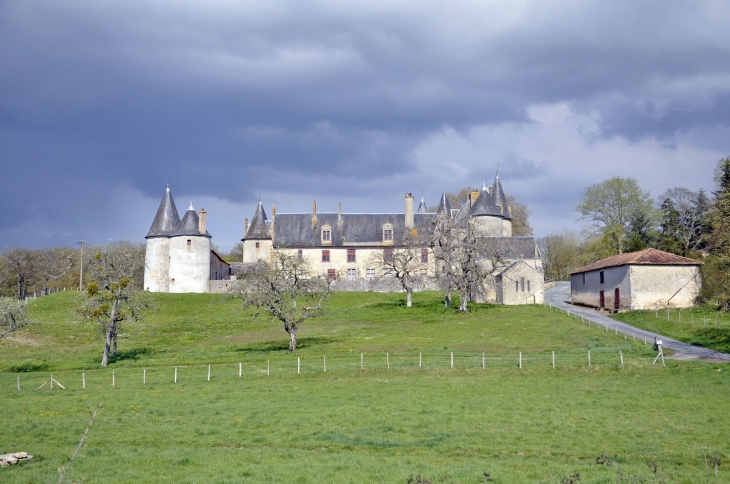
x=646, y=279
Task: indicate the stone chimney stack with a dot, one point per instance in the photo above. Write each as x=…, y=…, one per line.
x=409, y=220
x=339, y=211
x=201, y=221
x=314, y=213
x=491, y=189
x=273, y=220
x=245, y=227
x=473, y=197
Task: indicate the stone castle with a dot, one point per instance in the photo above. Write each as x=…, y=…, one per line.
x=340, y=245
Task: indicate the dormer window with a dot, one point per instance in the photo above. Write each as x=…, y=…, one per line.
x=326, y=235
x=388, y=232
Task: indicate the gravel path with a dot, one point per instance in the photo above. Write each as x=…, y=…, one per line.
x=559, y=296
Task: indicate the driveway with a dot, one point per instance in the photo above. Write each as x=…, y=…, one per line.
x=559, y=296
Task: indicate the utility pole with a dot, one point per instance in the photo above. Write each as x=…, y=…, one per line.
x=81, y=273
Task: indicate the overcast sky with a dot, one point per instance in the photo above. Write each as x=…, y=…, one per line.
x=103, y=103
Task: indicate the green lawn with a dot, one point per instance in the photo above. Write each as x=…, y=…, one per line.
x=535, y=424
x=697, y=326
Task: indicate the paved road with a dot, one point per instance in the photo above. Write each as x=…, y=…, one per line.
x=559, y=296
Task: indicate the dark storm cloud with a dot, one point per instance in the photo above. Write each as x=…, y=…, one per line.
x=228, y=99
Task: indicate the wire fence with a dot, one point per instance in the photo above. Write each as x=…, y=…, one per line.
x=309, y=365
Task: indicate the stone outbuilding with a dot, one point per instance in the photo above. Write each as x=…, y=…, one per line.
x=646, y=279
x=520, y=283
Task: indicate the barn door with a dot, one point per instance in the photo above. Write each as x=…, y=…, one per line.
x=603, y=300
x=616, y=298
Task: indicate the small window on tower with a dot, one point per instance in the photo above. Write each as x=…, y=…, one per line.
x=257, y=245
x=189, y=242
x=299, y=254
x=424, y=256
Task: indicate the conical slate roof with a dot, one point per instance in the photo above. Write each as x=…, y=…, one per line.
x=484, y=206
x=422, y=207
x=444, y=205
x=167, y=218
x=499, y=199
x=258, y=228
x=189, y=225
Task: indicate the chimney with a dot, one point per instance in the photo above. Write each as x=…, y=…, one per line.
x=201, y=221
x=314, y=214
x=491, y=189
x=473, y=197
x=273, y=219
x=339, y=216
x=245, y=227
x=509, y=208
x=409, y=222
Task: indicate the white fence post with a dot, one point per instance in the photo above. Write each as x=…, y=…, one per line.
x=420, y=360
x=362, y=362
x=520, y=360
x=208, y=372
x=176, y=374
x=240, y=369
x=387, y=359
x=553, y=360
x=113, y=382
x=621, y=353
x=452, y=359
x=299, y=363
x=18, y=382
x=482, y=360
x=83, y=381
x=325, y=363
x=144, y=376
x=589, y=359
x=268, y=368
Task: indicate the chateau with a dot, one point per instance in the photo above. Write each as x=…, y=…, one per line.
x=341, y=245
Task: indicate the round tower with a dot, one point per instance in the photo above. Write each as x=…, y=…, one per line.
x=190, y=254
x=257, y=241
x=157, y=252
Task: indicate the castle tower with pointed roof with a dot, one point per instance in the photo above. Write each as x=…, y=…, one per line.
x=178, y=256
x=257, y=240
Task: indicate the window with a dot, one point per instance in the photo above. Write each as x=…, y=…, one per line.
x=326, y=235
x=351, y=273
x=601, y=274
x=299, y=254
x=517, y=286
x=189, y=242
x=387, y=234
x=528, y=286
x=369, y=272
x=584, y=277
x=350, y=255
x=331, y=273
x=522, y=284
x=388, y=272
x=388, y=256
x=257, y=245
x=325, y=255
x=424, y=256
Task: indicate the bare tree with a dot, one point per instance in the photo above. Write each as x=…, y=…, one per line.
x=53, y=263
x=404, y=261
x=13, y=316
x=469, y=260
x=561, y=254
x=111, y=296
x=690, y=209
x=21, y=265
x=285, y=289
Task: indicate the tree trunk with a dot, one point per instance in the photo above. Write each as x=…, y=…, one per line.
x=111, y=331
x=463, y=299
x=292, y=339
x=409, y=298
x=447, y=301
x=114, y=342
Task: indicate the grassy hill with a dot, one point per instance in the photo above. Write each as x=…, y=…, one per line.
x=535, y=424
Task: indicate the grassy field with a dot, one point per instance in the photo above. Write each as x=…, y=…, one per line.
x=702, y=326
x=535, y=424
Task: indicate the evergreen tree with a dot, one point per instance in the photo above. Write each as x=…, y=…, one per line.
x=670, y=240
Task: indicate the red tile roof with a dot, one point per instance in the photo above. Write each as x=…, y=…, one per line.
x=650, y=257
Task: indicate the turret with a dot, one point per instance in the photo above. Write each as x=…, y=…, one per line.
x=157, y=251
x=190, y=254
x=257, y=241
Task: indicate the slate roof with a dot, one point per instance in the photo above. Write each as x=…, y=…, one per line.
x=650, y=257
x=189, y=225
x=353, y=229
x=499, y=199
x=484, y=205
x=422, y=207
x=444, y=205
x=259, y=228
x=167, y=218
x=515, y=264
x=520, y=247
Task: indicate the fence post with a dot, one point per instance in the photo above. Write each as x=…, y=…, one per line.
x=387, y=359
x=482, y=360
x=616, y=328
x=18, y=382
x=113, y=381
x=520, y=360
x=420, y=359
x=452, y=359
x=144, y=376
x=621, y=353
x=176, y=374
x=362, y=362
x=208, y=372
x=268, y=368
x=325, y=363
x=83, y=381
x=553, y=360
x=299, y=362
x=240, y=369
x=589, y=358
x=51, y=381
x=606, y=328
x=644, y=340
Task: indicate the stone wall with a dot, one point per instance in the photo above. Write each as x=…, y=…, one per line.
x=664, y=286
